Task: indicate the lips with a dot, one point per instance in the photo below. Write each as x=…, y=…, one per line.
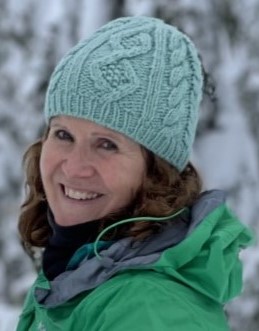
x=79, y=194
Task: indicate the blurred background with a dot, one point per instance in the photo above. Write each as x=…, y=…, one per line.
x=34, y=35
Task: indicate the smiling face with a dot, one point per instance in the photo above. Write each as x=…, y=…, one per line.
x=88, y=171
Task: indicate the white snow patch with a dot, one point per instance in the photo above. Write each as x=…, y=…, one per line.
x=8, y=317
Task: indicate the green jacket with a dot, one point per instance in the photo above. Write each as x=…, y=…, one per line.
x=176, y=281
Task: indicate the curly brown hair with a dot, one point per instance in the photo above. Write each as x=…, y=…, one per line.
x=164, y=191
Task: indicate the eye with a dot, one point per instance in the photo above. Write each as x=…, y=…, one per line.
x=63, y=135
x=108, y=145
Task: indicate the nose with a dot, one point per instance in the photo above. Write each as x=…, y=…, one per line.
x=79, y=163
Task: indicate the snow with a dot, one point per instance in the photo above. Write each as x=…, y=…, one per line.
x=139, y=7
x=227, y=152
x=253, y=82
x=49, y=13
x=8, y=317
x=6, y=158
x=93, y=14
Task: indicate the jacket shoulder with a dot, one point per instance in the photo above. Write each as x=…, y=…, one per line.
x=146, y=300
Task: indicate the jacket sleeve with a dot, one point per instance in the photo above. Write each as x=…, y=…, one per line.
x=144, y=307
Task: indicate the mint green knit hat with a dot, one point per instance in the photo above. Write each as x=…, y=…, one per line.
x=137, y=76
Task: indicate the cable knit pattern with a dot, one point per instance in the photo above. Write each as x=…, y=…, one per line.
x=138, y=76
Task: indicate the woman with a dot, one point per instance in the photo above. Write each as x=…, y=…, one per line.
x=130, y=242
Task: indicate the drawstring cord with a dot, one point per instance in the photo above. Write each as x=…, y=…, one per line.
x=135, y=219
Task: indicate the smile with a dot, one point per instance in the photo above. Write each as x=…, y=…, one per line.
x=80, y=195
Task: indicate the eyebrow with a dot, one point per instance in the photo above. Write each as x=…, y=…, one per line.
x=56, y=124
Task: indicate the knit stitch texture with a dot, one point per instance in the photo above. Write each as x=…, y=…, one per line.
x=137, y=76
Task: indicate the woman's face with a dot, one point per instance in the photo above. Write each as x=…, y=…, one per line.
x=88, y=171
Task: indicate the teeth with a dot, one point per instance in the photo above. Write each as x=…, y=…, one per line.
x=80, y=195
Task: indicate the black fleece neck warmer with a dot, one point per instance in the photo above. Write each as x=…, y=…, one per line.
x=63, y=243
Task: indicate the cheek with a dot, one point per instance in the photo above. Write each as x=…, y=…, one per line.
x=125, y=178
